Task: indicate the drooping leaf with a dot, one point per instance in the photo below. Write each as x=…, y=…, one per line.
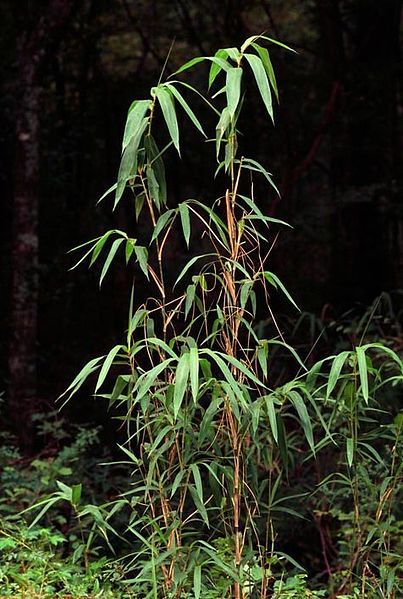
x=114, y=248
x=305, y=421
x=186, y=108
x=107, y=365
x=363, y=371
x=271, y=412
x=233, y=89
x=194, y=371
x=168, y=110
x=197, y=581
x=262, y=81
x=335, y=371
x=350, y=451
x=128, y=163
x=222, y=126
x=185, y=220
x=134, y=120
x=155, y=161
x=275, y=281
x=198, y=481
x=142, y=258
x=181, y=380
x=265, y=58
x=162, y=222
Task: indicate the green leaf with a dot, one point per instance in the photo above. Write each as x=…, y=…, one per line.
x=194, y=371
x=185, y=220
x=197, y=582
x=198, y=481
x=363, y=372
x=299, y=405
x=262, y=359
x=99, y=245
x=130, y=243
x=350, y=451
x=142, y=257
x=189, y=265
x=254, y=165
x=189, y=64
x=146, y=380
x=186, y=107
x=107, y=192
x=271, y=412
x=162, y=222
x=154, y=157
x=128, y=163
x=168, y=110
x=181, y=380
x=248, y=373
x=335, y=371
x=134, y=120
x=190, y=295
x=114, y=248
x=177, y=482
x=76, y=494
x=290, y=349
x=106, y=365
x=199, y=505
x=265, y=58
x=83, y=375
x=154, y=341
x=262, y=81
x=222, y=125
x=275, y=281
x=218, y=64
x=153, y=186
x=233, y=89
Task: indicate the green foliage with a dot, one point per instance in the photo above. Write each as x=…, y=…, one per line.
x=217, y=434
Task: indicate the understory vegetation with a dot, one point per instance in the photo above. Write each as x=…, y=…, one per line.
x=259, y=454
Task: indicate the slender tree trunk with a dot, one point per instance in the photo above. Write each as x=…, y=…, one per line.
x=25, y=284
x=22, y=352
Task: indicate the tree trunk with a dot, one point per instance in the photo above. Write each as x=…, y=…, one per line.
x=32, y=49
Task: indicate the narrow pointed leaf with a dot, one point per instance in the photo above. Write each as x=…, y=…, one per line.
x=363, y=372
x=305, y=421
x=198, y=481
x=271, y=412
x=128, y=163
x=114, y=248
x=194, y=371
x=168, y=110
x=186, y=108
x=134, y=120
x=350, y=451
x=233, y=89
x=262, y=81
x=197, y=582
x=106, y=365
x=275, y=281
x=185, y=220
x=142, y=257
x=181, y=381
x=265, y=58
x=162, y=222
x=335, y=371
